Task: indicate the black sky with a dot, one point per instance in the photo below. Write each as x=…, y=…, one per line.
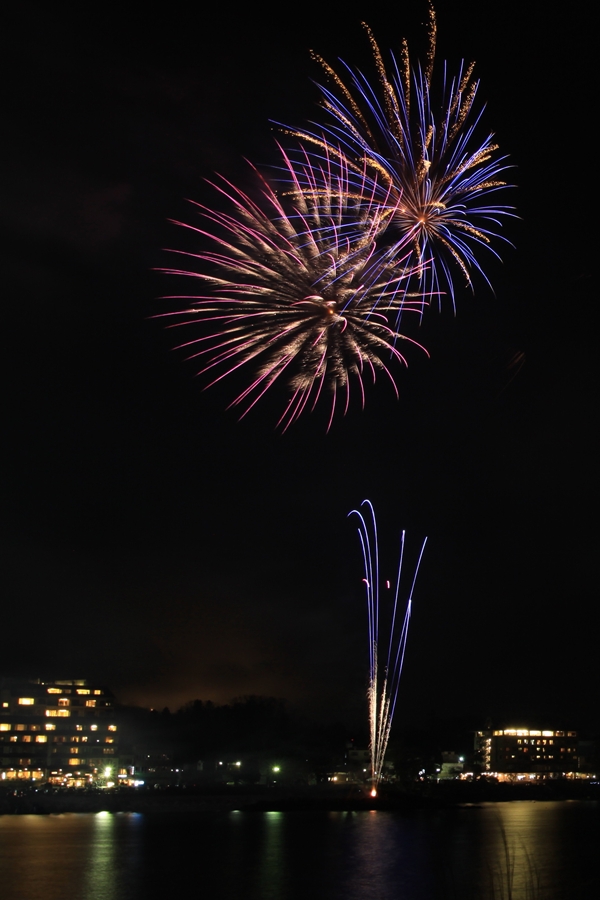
x=152, y=541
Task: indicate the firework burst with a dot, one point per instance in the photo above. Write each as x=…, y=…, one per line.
x=423, y=159
x=382, y=692
x=300, y=292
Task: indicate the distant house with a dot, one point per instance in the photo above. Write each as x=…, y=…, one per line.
x=452, y=766
x=57, y=731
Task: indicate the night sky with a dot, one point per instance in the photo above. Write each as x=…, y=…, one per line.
x=156, y=544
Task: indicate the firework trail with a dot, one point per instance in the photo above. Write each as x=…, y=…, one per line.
x=384, y=682
x=424, y=161
x=299, y=292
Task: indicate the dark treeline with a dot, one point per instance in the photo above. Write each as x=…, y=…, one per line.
x=249, y=726
x=261, y=731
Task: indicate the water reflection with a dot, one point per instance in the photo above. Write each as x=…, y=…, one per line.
x=100, y=869
x=114, y=855
x=522, y=850
x=541, y=850
x=381, y=855
x=78, y=855
x=505, y=858
x=271, y=861
x=519, y=847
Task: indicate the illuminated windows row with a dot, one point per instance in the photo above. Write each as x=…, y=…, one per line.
x=80, y=691
x=527, y=732
x=63, y=701
x=48, y=726
x=78, y=761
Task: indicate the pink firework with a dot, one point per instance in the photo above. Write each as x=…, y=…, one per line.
x=295, y=291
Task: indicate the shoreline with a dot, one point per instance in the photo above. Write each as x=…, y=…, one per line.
x=227, y=798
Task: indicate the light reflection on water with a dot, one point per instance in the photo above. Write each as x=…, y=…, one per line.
x=523, y=849
x=464, y=853
x=91, y=856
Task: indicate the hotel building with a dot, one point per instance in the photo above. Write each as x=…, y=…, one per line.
x=527, y=753
x=62, y=732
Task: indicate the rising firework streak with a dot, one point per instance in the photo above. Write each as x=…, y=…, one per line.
x=384, y=681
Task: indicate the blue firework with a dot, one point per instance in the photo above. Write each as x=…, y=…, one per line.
x=427, y=161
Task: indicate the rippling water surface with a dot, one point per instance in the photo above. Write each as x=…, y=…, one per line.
x=544, y=850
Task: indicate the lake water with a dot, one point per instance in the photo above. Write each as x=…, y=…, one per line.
x=548, y=850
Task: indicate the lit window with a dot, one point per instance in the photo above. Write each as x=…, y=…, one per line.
x=83, y=740
x=74, y=750
x=63, y=713
x=4, y=726
x=90, y=702
x=5, y=705
x=74, y=761
x=26, y=701
x=93, y=728
x=83, y=691
x=63, y=701
x=50, y=726
x=20, y=727
x=112, y=727
x=97, y=692
x=13, y=738
x=109, y=740
x=41, y=738
x=54, y=690
x=79, y=728
x=26, y=738
x=52, y=713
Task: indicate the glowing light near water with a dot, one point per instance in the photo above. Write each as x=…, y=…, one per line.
x=384, y=681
